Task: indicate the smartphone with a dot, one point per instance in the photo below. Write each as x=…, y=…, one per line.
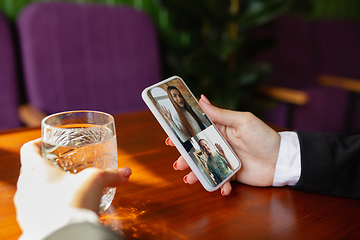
x=197, y=139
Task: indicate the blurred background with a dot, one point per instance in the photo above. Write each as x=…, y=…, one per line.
x=293, y=63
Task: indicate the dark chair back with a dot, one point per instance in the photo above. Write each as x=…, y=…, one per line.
x=9, y=96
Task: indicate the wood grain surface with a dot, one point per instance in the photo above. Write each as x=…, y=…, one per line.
x=156, y=204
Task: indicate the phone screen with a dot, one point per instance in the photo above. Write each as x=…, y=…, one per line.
x=196, y=133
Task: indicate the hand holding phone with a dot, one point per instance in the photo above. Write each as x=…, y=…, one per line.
x=254, y=142
x=197, y=139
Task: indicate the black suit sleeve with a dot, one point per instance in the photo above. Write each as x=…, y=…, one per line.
x=84, y=231
x=330, y=164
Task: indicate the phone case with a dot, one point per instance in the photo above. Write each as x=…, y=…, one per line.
x=197, y=139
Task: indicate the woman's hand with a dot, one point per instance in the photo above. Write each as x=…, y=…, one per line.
x=44, y=192
x=166, y=113
x=256, y=144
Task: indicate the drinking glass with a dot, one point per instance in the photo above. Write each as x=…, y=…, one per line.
x=77, y=140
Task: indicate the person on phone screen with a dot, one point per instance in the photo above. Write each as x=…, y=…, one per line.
x=188, y=121
x=216, y=162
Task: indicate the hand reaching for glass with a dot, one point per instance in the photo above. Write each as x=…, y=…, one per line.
x=256, y=144
x=45, y=193
x=77, y=140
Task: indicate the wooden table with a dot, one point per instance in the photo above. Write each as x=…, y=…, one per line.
x=156, y=204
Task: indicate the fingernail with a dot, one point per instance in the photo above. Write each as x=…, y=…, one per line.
x=175, y=166
x=126, y=171
x=185, y=179
x=205, y=99
x=167, y=141
x=223, y=192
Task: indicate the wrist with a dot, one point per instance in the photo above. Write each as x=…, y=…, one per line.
x=288, y=167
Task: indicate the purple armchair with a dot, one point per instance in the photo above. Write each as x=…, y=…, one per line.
x=304, y=103
x=85, y=56
x=338, y=57
x=8, y=78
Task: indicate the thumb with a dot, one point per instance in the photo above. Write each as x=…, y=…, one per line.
x=107, y=177
x=115, y=177
x=92, y=181
x=218, y=115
